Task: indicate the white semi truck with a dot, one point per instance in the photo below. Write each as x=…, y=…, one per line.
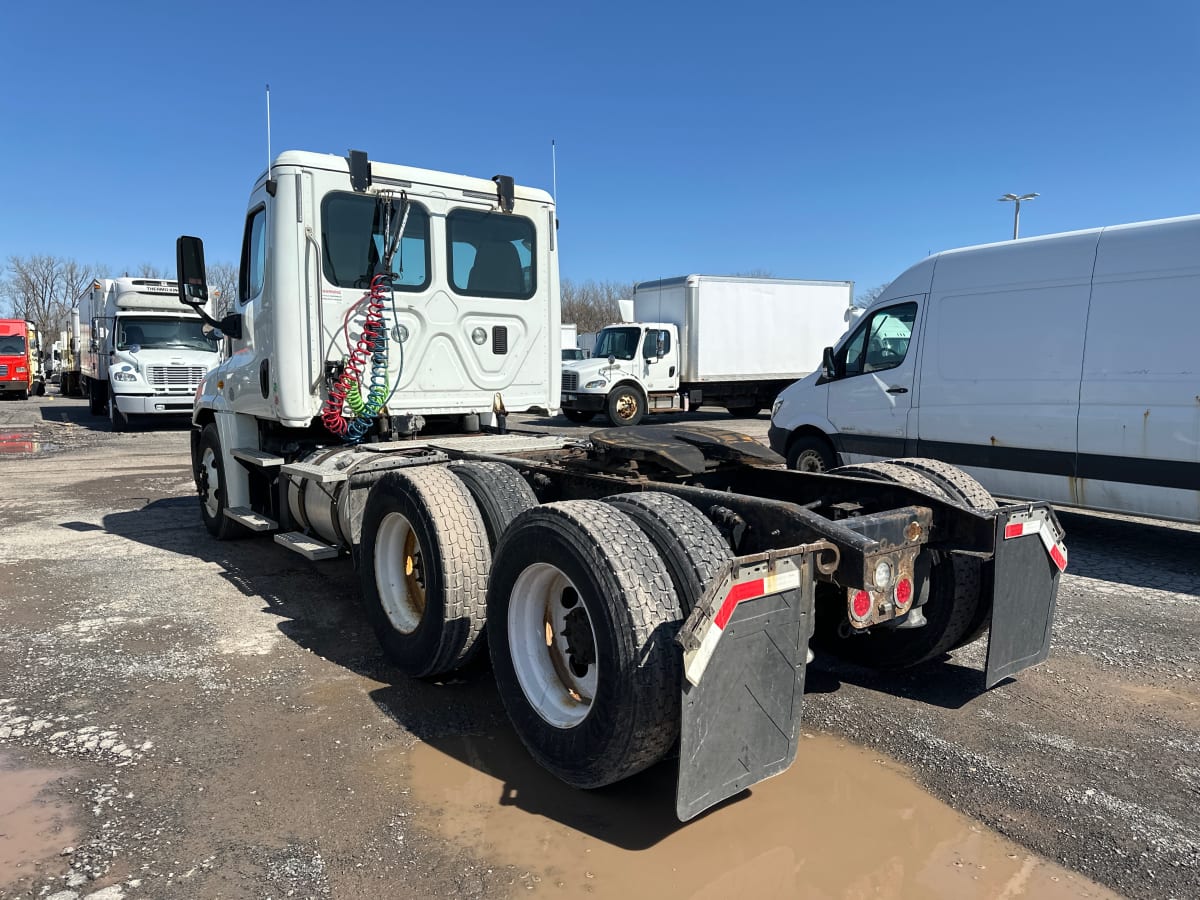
x=141, y=354
x=641, y=591
x=706, y=339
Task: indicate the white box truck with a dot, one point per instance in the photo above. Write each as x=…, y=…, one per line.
x=141, y=352
x=1058, y=367
x=706, y=339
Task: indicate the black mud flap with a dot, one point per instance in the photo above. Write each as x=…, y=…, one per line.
x=1026, y=569
x=741, y=721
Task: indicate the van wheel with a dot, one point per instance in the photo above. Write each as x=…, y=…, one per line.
x=579, y=415
x=626, y=405
x=952, y=607
x=809, y=453
x=210, y=483
x=582, y=617
x=423, y=568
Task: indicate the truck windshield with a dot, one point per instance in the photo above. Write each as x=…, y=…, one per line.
x=619, y=342
x=12, y=345
x=162, y=334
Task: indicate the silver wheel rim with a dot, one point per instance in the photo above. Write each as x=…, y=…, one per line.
x=208, y=463
x=810, y=461
x=549, y=629
x=399, y=573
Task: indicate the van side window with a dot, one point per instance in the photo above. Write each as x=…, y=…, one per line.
x=880, y=342
x=254, y=255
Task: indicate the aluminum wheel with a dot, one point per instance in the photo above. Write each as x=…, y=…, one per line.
x=399, y=574
x=627, y=406
x=210, y=480
x=553, y=645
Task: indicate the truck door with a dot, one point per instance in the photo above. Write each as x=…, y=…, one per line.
x=660, y=361
x=870, y=396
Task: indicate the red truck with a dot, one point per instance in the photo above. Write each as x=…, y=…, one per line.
x=17, y=357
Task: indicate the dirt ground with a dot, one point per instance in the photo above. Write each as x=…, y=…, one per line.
x=186, y=718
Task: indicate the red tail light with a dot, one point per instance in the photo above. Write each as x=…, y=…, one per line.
x=904, y=593
x=860, y=605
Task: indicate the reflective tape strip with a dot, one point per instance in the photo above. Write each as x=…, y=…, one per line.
x=696, y=661
x=1041, y=527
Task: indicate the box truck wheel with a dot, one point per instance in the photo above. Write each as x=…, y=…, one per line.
x=626, y=405
x=118, y=419
x=97, y=397
x=952, y=607
x=210, y=483
x=809, y=453
x=690, y=545
x=498, y=490
x=423, y=565
x=744, y=412
x=581, y=621
x=579, y=415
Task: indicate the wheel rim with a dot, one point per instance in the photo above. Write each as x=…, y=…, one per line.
x=553, y=645
x=627, y=406
x=211, y=480
x=400, y=573
x=810, y=461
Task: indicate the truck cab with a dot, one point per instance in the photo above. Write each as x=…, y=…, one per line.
x=634, y=369
x=16, y=353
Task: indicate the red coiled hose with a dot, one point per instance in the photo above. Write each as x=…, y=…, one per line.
x=352, y=375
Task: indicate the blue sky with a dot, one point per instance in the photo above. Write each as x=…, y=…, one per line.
x=814, y=140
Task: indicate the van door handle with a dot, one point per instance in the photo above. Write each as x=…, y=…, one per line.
x=897, y=390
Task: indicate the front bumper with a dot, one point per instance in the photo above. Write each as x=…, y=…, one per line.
x=584, y=402
x=778, y=438
x=154, y=404
x=21, y=384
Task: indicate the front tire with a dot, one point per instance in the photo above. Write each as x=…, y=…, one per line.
x=582, y=615
x=116, y=418
x=626, y=405
x=809, y=453
x=211, y=486
x=97, y=397
x=424, y=568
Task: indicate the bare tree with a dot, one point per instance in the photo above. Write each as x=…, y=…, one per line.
x=591, y=305
x=43, y=288
x=866, y=298
x=149, y=270
x=222, y=286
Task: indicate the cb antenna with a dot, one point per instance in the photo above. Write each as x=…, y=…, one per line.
x=554, y=172
x=268, y=132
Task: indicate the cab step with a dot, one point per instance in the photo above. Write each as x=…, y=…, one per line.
x=244, y=515
x=257, y=458
x=306, y=545
x=319, y=474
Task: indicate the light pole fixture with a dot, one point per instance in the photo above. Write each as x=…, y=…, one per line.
x=1017, y=211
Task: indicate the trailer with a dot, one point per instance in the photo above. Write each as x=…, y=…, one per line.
x=643, y=593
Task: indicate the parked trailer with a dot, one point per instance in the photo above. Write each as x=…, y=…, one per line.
x=644, y=589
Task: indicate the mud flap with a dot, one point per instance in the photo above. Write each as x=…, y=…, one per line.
x=1026, y=569
x=741, y=719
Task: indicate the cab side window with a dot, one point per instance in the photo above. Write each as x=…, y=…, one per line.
x=652, y=345
x=880, y=342
x=254, y=256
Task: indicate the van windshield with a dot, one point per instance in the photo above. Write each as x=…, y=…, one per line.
x=162, y=334
x=12, y=345
x=619, y=342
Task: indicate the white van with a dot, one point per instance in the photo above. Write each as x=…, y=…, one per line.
x=1063, y=367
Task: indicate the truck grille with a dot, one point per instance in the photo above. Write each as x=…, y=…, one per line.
x=3, y=371
x=175, y=378
x=570, y=381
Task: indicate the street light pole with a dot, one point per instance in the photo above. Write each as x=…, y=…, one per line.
x=1013, y=198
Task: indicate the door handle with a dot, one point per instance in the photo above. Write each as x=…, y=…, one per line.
x=897, y=390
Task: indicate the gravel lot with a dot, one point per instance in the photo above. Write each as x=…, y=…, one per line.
x=215, y=720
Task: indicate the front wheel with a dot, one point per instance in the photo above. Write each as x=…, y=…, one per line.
x=116, y=418
x=582, y=614
x=579, y=415
x=210, y=484
x=626, y=406
x=810, y=454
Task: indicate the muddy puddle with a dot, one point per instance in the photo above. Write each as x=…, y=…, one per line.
x=842, y=823
x=23, y=444
x=33, y=829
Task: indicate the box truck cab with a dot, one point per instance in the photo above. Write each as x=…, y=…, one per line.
x=1057, y=367
x=18, y=353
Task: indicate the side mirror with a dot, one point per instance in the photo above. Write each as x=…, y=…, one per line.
x=828, y=364
x=189, y=267
x=661, y=346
